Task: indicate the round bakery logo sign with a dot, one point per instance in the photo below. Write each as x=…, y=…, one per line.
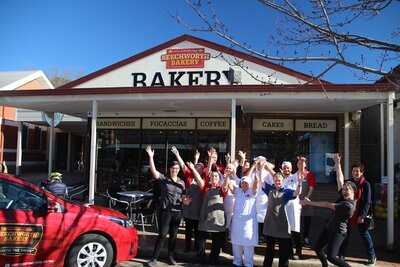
x=185, y=58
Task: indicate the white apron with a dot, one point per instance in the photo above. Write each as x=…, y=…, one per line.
x=262, y=198
x=244, y=228
x=229, y=202
x=293, y=207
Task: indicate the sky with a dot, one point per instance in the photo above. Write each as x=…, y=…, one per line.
x=78, y=37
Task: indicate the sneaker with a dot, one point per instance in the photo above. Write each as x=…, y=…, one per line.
x=371, y=262
x=295, y=257
x=171, y=260
x=152, y=263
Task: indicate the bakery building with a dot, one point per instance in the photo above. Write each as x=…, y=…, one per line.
x=193, y=93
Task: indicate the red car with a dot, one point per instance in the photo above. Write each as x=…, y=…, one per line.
x=38, y=228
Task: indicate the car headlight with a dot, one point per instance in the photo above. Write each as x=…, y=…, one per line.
x=123, y=222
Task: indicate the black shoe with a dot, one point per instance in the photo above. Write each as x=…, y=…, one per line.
x=171, y=260
x=371, y=262
x=152, y=263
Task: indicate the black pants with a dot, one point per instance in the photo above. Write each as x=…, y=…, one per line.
x=169, y=222
x=297, y=242
x=261, y=232
x=333, y=241
x=366, y=237
x=284, y=251
x=191, y=228
x=217, y=241
x=306, y=223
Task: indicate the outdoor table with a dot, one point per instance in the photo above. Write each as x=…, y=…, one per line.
x=133, y=197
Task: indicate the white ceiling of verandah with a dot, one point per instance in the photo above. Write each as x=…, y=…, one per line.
x=81, y=107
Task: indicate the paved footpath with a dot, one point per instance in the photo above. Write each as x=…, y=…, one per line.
x=146, y=243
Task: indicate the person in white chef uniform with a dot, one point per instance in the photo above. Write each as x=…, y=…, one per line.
x=261, y=168
x=244, y=227
x=293, y=208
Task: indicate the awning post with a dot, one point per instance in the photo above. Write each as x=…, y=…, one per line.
x=390, y=172
x=346, y=145
x=18, y=162
x=233, y=129
x=93, y=143
x=382, y=134
x=51, y=145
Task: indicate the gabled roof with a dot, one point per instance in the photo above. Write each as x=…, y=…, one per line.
x=11, y=80
x=202, y=42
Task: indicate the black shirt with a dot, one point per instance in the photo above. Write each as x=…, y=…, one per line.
x=171, y=193
x=344, y=209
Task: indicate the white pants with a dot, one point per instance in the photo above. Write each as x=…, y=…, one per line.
x=243, y=255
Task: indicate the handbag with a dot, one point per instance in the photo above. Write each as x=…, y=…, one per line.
x=369, y=222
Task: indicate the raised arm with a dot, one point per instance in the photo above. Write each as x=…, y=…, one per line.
x=269, y=167
x=339, y=173
x=299, y=184
x=153, y=169
x=196, y=175
x=227, y=185
x=256, y=182
x=242, y=160
x=175, y=151
x=196, y=157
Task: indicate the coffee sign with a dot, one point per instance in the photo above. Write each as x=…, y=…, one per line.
x=272, y=125
x=213, y=124
x=316, y=125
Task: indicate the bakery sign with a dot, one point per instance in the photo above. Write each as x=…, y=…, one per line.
x=185, y=58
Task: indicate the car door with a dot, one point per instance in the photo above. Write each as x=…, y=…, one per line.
x=29, y=233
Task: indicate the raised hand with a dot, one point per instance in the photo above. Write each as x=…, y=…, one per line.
x=150, y=151
x=227, y=158
x=190, y=165
x=174, y=150
x=197, y=155
x=210, y=152
x=241, y=154
x=337, y=158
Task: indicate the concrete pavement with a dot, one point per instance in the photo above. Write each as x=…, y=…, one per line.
x=147, y=240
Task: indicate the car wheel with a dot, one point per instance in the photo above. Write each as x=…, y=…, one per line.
x=91, y=250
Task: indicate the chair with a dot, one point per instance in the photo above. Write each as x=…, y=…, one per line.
x=145, y=208
x=120, y=205
x=77, y=192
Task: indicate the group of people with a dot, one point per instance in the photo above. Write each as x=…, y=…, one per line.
x=252, y=203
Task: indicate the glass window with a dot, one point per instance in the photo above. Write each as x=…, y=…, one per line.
x=16, y=197
x=280, y=146
x=118, y=155
x=217, y=139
